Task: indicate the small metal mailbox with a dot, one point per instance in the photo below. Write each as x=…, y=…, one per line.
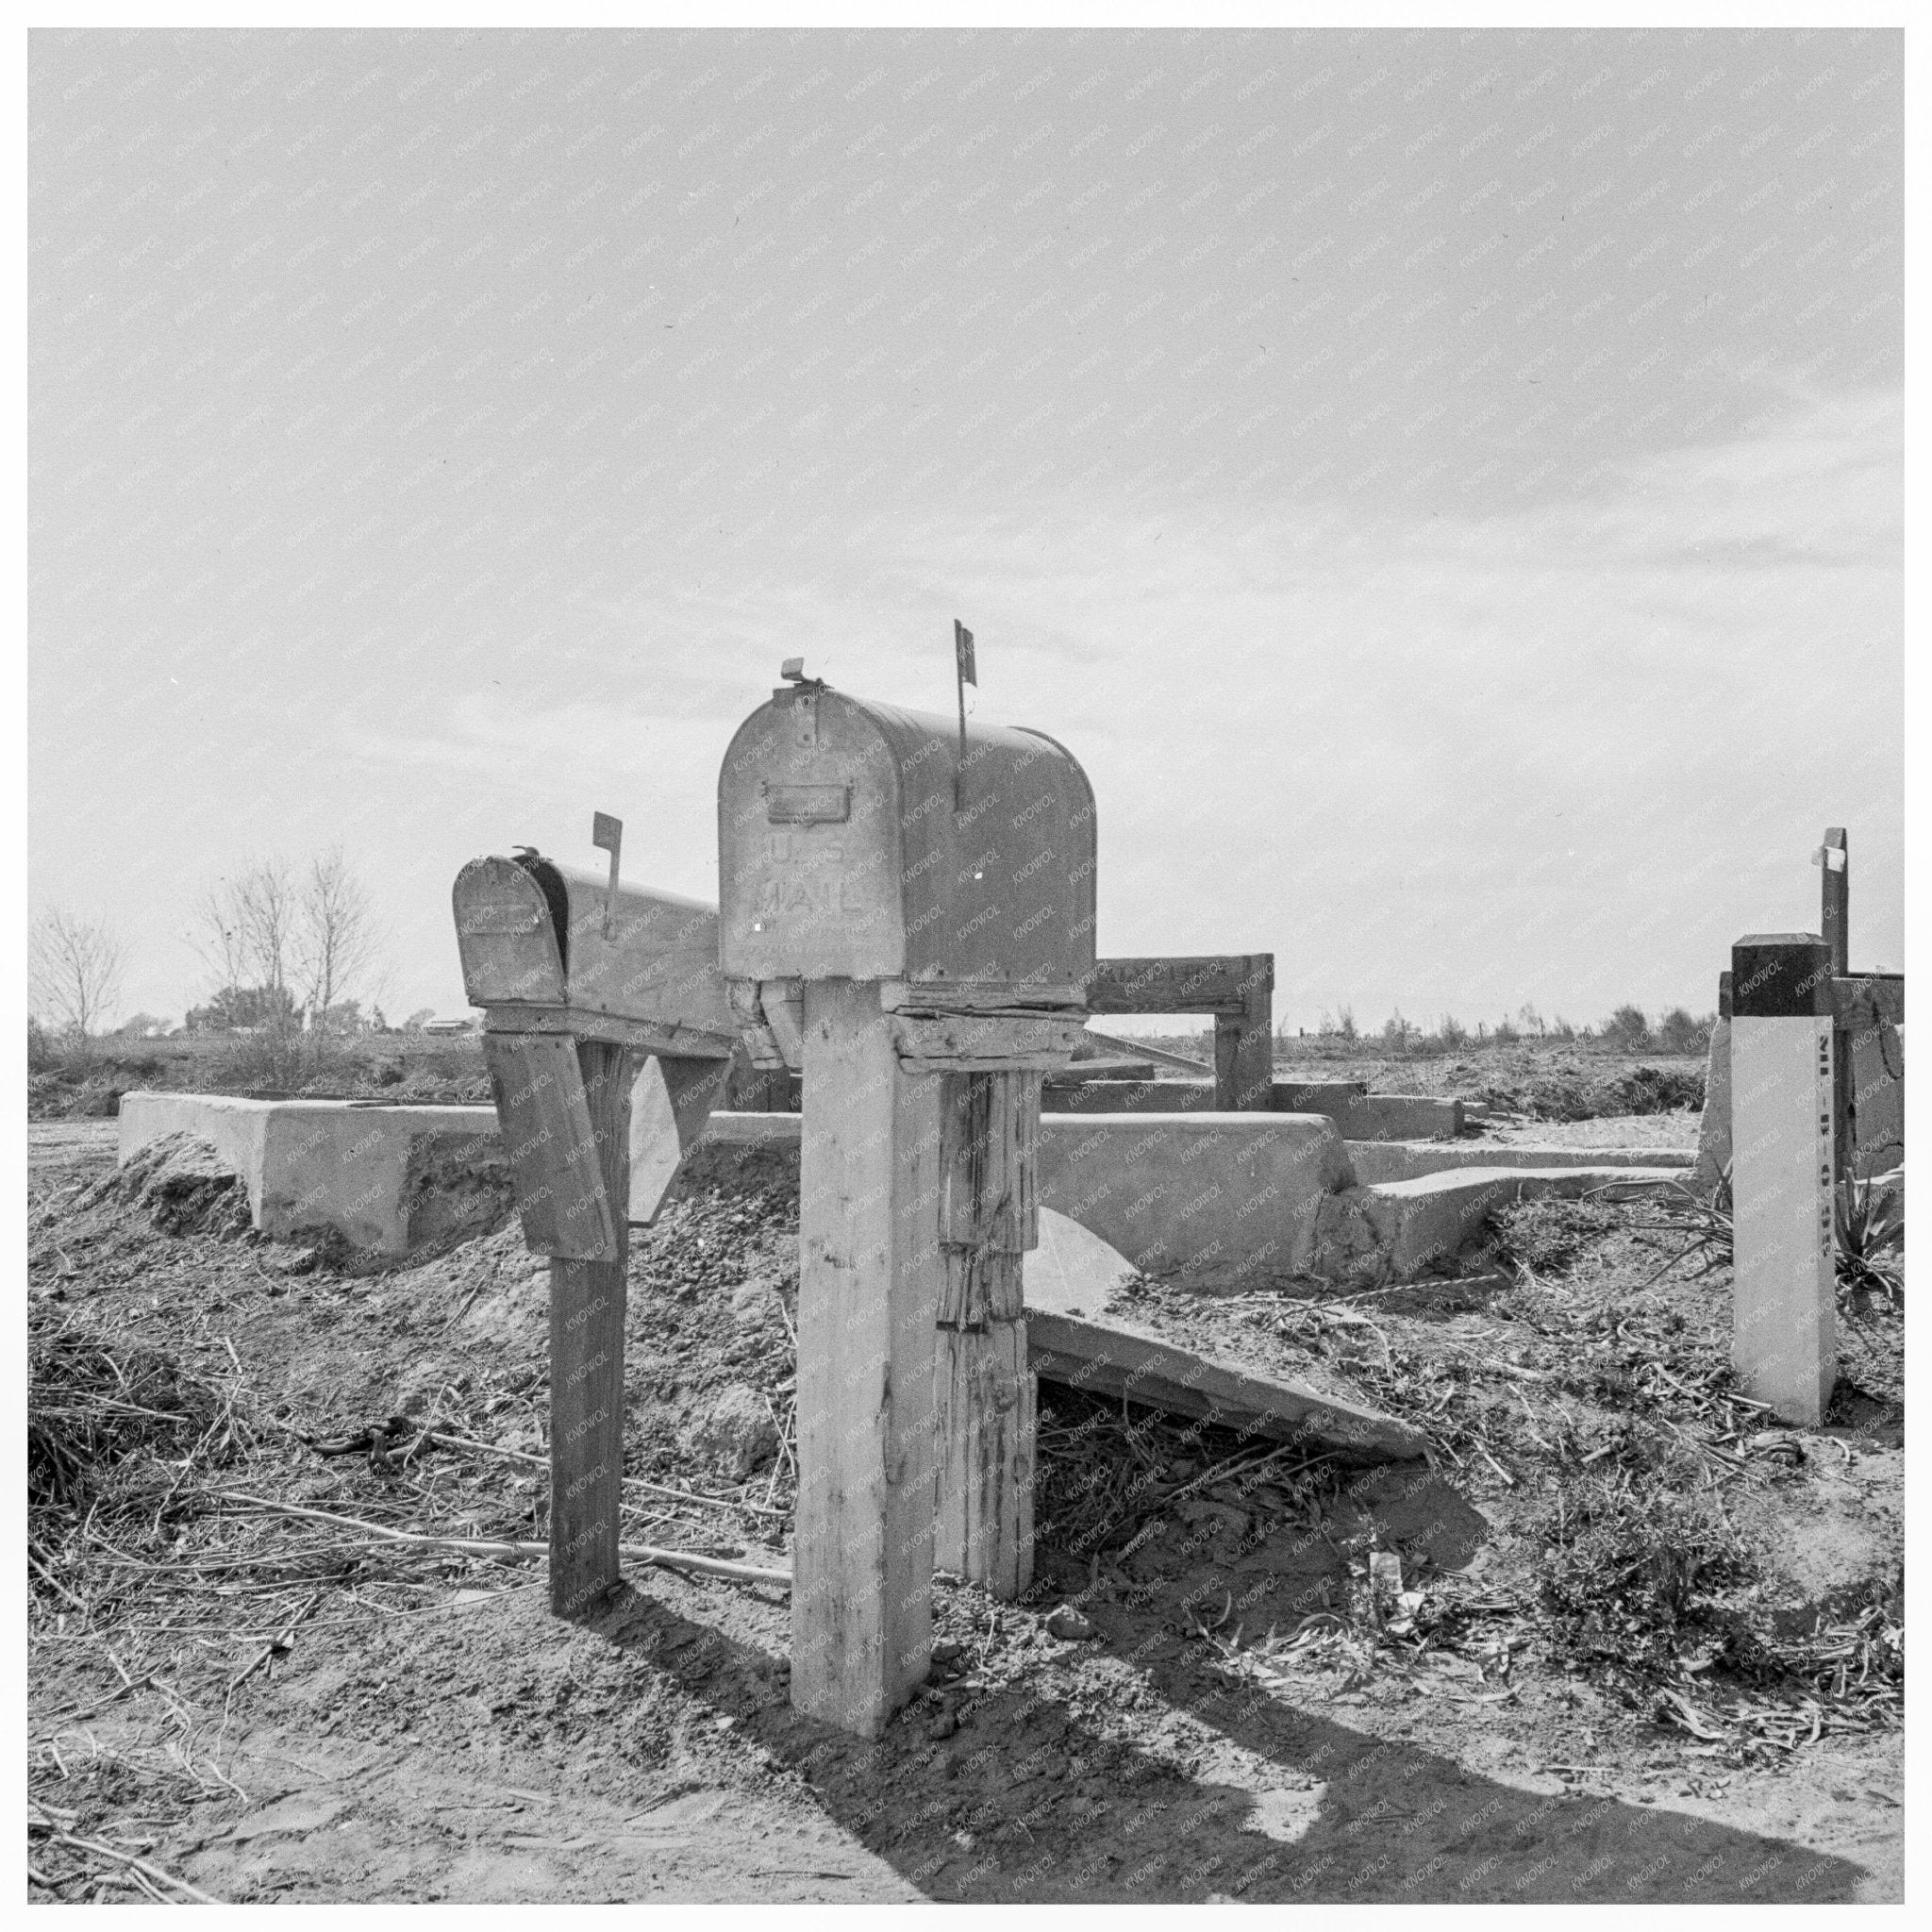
x=855, y=843
x=533, y=933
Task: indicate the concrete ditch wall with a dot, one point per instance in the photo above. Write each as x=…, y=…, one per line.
x=1220, y=1195
x=1214, y=1197
x=1401, y=1160
x=386, y=1178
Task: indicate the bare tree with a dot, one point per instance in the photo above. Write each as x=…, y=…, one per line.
x=335, y=939
x=245, y=925
x=75, y=968
x=266, y=902
x=217, y=937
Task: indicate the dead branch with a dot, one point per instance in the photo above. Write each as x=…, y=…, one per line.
x=640, y=1553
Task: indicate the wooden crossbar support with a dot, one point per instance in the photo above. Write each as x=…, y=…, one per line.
x=1236, y=989
x=672, y=1100
x=550, y=1138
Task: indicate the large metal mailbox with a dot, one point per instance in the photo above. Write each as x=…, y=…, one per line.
x=533, y=933
x=855, y=843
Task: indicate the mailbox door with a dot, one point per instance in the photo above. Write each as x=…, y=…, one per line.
x=808, y=855
x=506, y=934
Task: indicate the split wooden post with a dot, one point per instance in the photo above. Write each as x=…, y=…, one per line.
x=587, y=1306
x=1835, y=895
x=1244, y=1043
x=1834, y=914
x=1784, y=1295
x=870, y=1277
x=988, y=1220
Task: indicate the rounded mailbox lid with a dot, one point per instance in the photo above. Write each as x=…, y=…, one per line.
x=509, y=933
x=854, y=843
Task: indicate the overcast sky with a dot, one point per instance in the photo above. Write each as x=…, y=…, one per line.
x=1443, y=487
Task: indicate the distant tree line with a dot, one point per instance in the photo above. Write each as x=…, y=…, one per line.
x=1627, y=1030
x=292, y=954
x=289, y=949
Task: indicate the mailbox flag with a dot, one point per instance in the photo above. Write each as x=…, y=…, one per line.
x=962, y=646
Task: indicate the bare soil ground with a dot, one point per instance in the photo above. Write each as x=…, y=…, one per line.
x=1644, y=1647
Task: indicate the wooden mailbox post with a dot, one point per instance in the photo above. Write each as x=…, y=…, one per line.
x=607, y=1036
x=910, y=924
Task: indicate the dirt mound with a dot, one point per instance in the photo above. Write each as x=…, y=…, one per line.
x=1575, y=1093
x=185, y=1185
x=65, y=1096
x=1651, y=1090
x=1554, y=1083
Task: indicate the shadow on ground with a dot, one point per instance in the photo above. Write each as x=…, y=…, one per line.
x=1026, y=1801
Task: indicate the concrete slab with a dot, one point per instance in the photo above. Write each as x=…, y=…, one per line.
x=1073, y=1271
x=1398, y=1117
x=1075, y=1338
x=1358, y=1114
x=1404, y=1160
x=1399, y=1229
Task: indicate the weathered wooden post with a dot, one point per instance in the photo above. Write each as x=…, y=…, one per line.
x=1783, y=1171
x=988, y=1220
x=1835, y=927
x=607, y=1037
x=1244, y=1043
x=911, y=926
x=1835, y=899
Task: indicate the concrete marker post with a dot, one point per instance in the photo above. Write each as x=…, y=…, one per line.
x=1785, y=1305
